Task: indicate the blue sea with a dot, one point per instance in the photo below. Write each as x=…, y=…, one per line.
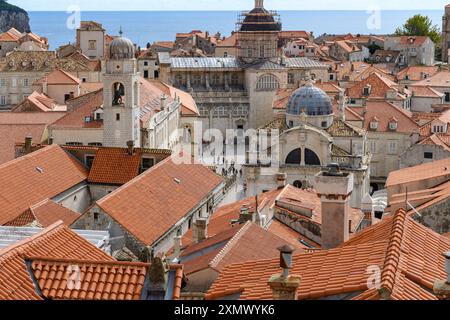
x=149, y=26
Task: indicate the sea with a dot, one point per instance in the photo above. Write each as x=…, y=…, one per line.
x=148, y=26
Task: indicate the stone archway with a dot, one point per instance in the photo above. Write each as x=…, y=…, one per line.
x=294, y=157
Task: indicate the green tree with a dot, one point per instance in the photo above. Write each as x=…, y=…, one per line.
x=420, y=25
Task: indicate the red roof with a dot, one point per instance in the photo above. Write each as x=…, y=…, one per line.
x=384, y=111
x=99, y=280
x=408, y=255
x=243, y=243
x=35, y=177
x=114, y=166
x=160, y=197
x=44, y=214
x=57, y=241
x=16, y=126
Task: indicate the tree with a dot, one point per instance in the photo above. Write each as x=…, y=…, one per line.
x=420, y=25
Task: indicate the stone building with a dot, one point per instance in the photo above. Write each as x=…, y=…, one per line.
x=311, y=138
x=167, y=200
x=14, y=40
x=90, y=39
x=414, y=50
x=20, y=69
x=446, y=34
x=236, y=92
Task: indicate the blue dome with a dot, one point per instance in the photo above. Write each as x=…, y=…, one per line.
x=310, y=99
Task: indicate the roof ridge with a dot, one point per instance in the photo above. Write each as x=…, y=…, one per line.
x=230, y=244
x=393, y=252
x=57, y=225
x=86, y=262
x=25, y=157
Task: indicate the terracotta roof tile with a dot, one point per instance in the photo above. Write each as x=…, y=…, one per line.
x=15, y=127
x=380, y=85
x=115, y=166
x=384, y=111
x=161, y=197
x=44, y=214
x=409, y=255
x=249, y=242
x=440, y=79
x=99, y=280
x=438, y=168
x=33, y=178
x=57, y=241
x=416, y=73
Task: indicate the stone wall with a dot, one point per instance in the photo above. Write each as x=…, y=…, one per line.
x=437, y=217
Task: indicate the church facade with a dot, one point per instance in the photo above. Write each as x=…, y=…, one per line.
x=310, y=137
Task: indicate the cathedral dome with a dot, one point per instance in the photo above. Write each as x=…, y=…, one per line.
x=260, y=19
x=310, y=99
x=121, y=49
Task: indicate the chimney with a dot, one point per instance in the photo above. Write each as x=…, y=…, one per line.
x=441, y=288
x=200, y=231
x=245, y=215
x=367, y=209
x=281, y=180
x=130, y=145
x=177, y=247
x=284, y=286
x=334, y=189
x=28, y=143
x=50, y=140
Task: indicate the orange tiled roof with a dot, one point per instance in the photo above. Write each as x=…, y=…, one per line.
x=221, y=219
x=161, y=197
x=57, y=241
x=384, y=111
x=76, y=119
x=416, y=73
x=45, y=214
x=38, y=102
x=249, y=242
x=440, y=79
x=99, y=280
x=408, y=255
x=424, y=171
x=380, y=85
x=114, y=166
x=35, y=177
x=16, y=126
x=422, y=91
x=59, y=77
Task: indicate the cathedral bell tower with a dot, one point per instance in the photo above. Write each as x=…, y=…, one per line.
x=121, y=95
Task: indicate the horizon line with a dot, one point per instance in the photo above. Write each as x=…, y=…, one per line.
x=237, y=10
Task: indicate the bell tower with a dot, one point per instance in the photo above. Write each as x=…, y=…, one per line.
x=121, y=95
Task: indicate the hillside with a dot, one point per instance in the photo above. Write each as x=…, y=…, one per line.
x=12, y=16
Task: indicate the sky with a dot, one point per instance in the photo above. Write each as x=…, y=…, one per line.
x=118, y=5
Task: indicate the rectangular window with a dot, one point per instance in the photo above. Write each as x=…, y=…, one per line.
x=92, y=44
x=14, y=82
x=428, y=155
x=447, y=97
x=146, y=63
x=373, y=147
x=147, y=163
x=89, y=161
x=2, y=100
x=290, y=78
x=392, y=147
x=117, y=116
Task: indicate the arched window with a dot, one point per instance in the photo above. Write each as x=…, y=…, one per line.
x=311, y=158
x=267, y=82
x=118, y=94
x=294, y=157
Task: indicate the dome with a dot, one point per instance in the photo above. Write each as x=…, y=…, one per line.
x=121, y=49
x=260, y=19
x=310, y=99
